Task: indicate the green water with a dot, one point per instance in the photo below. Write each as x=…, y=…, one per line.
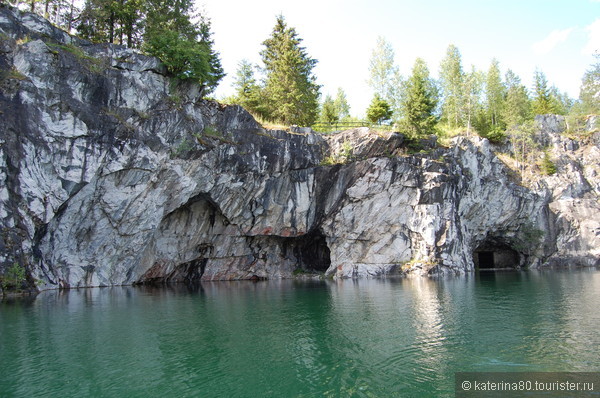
x=380, y=338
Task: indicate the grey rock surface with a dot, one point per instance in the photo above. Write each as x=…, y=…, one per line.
x=112, y=173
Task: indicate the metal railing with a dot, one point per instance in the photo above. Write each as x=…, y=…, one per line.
x=339, y=126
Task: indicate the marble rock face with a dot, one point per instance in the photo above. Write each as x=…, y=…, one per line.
x=111, y=173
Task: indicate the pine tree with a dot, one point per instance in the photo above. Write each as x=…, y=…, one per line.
x=419, y=101
x=451, y=80
x=290, y=86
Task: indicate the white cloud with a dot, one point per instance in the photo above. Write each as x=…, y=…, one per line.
x=555, y=38
x=593, y=39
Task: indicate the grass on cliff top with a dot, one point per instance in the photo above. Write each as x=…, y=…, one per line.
x=93, y=64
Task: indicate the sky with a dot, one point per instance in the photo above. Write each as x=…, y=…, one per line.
x=558, y=37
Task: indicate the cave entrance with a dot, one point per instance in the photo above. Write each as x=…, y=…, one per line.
x=492, y=256
x=312, y=252
x=486, y=259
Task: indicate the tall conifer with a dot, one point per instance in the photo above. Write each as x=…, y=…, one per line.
x=290, y=86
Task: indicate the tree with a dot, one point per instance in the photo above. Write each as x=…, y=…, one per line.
x=341, y=105
x=291, y=88
x=517, y=106
x=384, y=77
x=185, y=47
x=419, y=101
x=329, y=113
x=589, y=93
x=471, y=90
x=379, y=110
x=542, y=100
x=495, y=93
x=247, y=89
x=451, y=80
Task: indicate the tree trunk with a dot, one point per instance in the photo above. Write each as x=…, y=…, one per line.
x=111, y=22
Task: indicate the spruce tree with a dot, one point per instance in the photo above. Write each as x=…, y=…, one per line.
x=329, y=114
x=419, y=101
x=542, y=101
x=247, y=89
x=517, y=106
x=290, y=86
x=379, y=110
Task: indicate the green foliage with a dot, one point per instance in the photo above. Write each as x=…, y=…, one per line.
x=528, y=238
x=112, y=21
x=329, y=114
x=291, y=93
x=379, y=110
x=472, y=86
x=344, y=156
x=384, y=76
x=161, y=28
x=496, y=135
x=495, y=93
x=542, y=101
x=183, y=147
x=517, y=106
x=589, y=93
x=14, y=277
x=419, y=101
x=451, y=81
x=183, y=46
x=12, y=74
x=546, y=165
x=248, y=92
x=94, y=65
x=341, y=105
x=523, y=145
x=212, y=132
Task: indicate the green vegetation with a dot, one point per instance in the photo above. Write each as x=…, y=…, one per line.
x=288, y=93
x=171, y=31
x=14, y=278
x=94, y=65
x=547, y=166
x=384, y=76
x=12, y=74
x=419, y=102
x=379, y=111
x=343, y=157
x=283, y=90
x=528, y=238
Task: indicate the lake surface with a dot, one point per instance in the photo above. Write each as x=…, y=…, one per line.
x=380, y=338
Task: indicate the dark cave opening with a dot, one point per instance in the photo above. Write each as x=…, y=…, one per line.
x=492, y=255
x=311, y=252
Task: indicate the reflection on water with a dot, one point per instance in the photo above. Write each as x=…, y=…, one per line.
x=288, y=338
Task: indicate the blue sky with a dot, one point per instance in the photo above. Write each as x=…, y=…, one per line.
x=556, y=36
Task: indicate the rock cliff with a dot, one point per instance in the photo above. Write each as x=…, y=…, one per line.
x=113, y=173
